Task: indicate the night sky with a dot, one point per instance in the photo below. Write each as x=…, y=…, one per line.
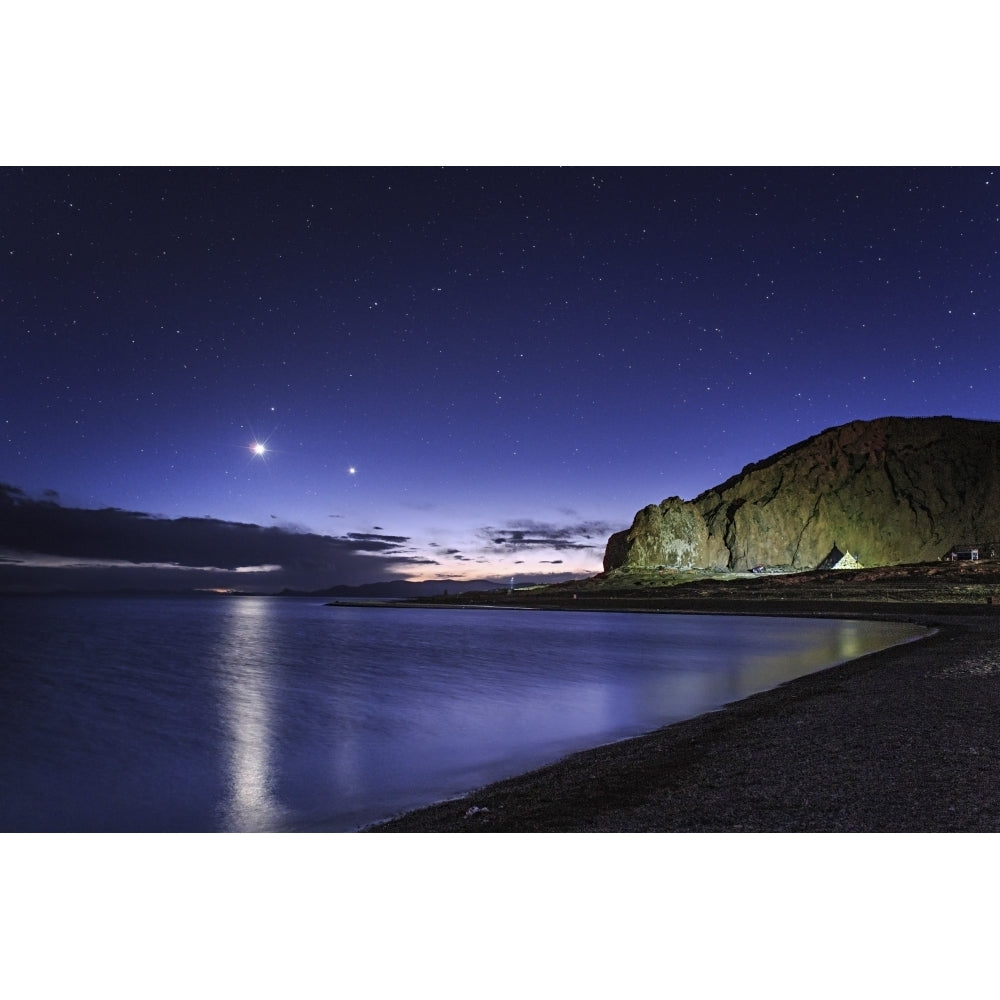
x=512, y=361
x=454, y=373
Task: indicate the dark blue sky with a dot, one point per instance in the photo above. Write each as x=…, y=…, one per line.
x=511, y=361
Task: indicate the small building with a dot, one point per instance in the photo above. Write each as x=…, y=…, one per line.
x=964, y=552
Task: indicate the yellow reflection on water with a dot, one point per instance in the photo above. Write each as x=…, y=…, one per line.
x=822, y=648
x=245, y=676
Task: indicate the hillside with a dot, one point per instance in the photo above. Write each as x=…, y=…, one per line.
x=887, y=491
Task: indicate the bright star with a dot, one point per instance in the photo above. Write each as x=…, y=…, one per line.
x=258, y=448
x=351, y=471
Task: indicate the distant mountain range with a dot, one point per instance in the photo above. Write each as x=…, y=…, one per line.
x=887, y=491
x=402, y=588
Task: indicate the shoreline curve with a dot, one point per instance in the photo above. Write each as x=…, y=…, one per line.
x=901, y=739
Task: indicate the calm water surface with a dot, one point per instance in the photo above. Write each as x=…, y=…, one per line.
x=196, y=714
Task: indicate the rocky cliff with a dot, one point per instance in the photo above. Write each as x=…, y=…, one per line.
x=893, y=490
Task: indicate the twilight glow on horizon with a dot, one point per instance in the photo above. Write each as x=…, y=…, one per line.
x=305, y=377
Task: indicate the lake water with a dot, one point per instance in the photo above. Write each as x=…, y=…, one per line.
x=199, y=714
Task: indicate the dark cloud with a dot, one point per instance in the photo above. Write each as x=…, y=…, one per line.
x=376, y=543
x=524, y=535
x=49, y=539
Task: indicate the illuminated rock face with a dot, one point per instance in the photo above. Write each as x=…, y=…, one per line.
x=893, y=490
x=673, y=534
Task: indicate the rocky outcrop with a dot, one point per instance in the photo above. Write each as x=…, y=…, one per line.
x=673, y=534
x=893, y=490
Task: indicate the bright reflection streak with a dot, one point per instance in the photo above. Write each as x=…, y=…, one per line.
x=245, y=666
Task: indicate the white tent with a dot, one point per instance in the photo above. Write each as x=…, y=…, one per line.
x=839, y=560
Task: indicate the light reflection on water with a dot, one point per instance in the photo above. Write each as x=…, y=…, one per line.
x=260, y=713
x=244, y=661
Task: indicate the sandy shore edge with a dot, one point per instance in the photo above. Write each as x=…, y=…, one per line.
x=903, y=739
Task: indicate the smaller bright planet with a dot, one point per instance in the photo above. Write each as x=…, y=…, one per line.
x=259, y=448
x=351, y=471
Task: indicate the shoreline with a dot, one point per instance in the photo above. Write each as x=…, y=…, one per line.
x=903, y=739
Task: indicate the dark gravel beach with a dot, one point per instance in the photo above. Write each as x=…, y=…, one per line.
x=901, y=740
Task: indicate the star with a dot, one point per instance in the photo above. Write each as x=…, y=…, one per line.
x=259, y=448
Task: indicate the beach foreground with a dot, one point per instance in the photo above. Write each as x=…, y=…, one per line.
x=904, y=739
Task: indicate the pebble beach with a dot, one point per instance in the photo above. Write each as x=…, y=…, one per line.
x=901, y=740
